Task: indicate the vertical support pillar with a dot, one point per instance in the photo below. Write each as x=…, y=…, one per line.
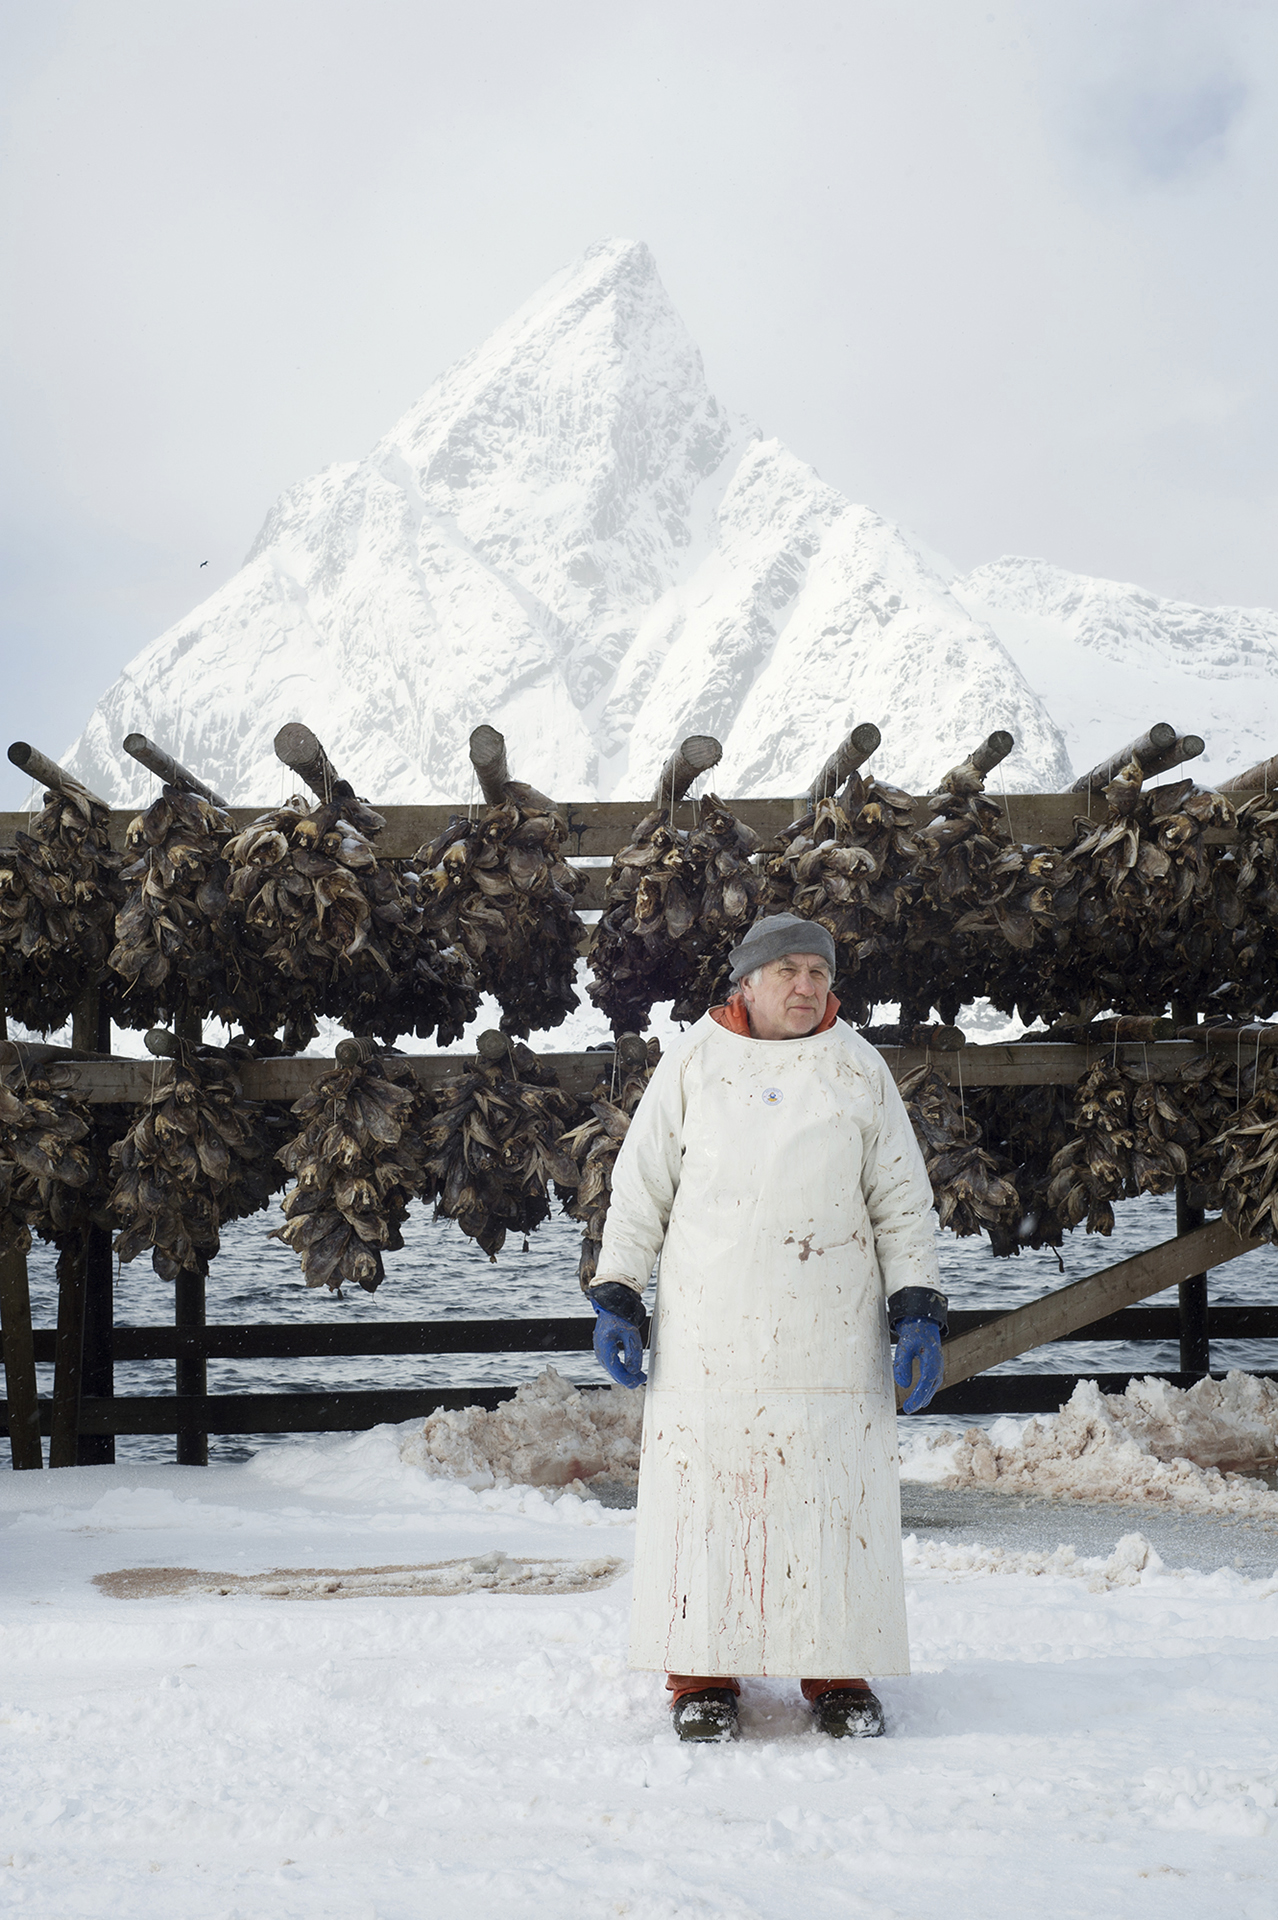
x=1195, y=1339
x=19, y=1361
x=68, y=1359
x=97, y=1373
x=192, y=1369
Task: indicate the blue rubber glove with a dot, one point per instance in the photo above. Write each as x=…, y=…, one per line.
x=917, y=1340
x=619, y=1336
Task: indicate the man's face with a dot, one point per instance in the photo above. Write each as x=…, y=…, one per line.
x=788, y=998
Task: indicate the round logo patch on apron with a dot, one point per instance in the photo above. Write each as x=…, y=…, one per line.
x=772, y=1096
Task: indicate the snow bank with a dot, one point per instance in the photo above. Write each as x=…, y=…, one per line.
x=1188, y=1447
x=1132, y=1558
x=550, y=1435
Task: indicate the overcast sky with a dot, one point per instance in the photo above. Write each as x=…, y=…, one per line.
x=1003, y=269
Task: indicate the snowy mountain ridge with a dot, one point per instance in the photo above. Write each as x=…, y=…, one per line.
x=569, y=537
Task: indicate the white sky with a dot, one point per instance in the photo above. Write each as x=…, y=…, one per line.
x=1003, y=269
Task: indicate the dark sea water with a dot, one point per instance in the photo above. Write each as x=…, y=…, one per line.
x=442, y=1275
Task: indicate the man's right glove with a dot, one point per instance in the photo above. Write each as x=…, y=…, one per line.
x=619, y=1327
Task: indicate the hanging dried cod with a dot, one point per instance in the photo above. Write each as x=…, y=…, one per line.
x=358, y=1159
x=500, y=888
x=171, y=940
x=493, y=1149
x=1142, y=913
x=59, y=891
x=677, y=901
x=970, y=1191
x=328, y=929
x=1249, y=1173
x=58, y=1150
x=594, y=1145
x=196, y=1155
x=850, y=863
x=1131, y=1135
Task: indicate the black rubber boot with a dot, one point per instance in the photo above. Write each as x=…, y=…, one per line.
x=708, y=1715
x=847, y=1713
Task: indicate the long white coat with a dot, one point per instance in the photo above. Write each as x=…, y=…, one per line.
x=782, y=1186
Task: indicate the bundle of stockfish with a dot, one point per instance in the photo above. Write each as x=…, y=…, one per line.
x=171, y=944
x=59, y=892
x=676, y=902
x=1141, y=912
x=1252, y=989
x=1025, y=1128
x=15, y=1234
x=849, y=863
x=196, y=1155
x=59, y=1154
x=358, y=1158
x=1210, y=1092
x=328, y=929
x=493, y=1148
x=981, y=901
x=1249, y=1173
x=1132, y=1135
x=970, y=1191
x=500, y=888
x=594, y=1145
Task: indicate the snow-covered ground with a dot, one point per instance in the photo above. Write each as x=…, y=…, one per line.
x=1087, y=1746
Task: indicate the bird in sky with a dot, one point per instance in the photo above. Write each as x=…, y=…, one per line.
x=203, y=563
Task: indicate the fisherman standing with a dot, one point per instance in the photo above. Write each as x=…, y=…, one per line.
x=772, y=1166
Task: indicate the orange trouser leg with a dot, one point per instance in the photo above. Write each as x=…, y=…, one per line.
x=813, y=1689
x=680, y=1683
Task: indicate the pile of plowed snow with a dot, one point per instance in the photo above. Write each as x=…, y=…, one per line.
x=550, y=1435
x=1201, y=1448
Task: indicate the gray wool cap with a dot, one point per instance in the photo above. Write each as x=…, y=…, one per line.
x=775, y=936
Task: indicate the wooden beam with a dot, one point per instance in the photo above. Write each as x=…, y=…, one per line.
x=1262, y=778
x=64, y=1448
x=1145, y=750
x=1039, y=1063
x=360, y=1339
x=844, y=761
x=19, y=1361
x=191, y=1373
x=690, y=759
x=156, y=760
x=600, y=828
x=1057, y=1314
x=303, y=752
x=46, y=772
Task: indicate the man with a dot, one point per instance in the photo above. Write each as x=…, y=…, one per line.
x=772, y=1166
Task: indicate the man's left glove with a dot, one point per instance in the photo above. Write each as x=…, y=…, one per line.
x=917, y=1316
x=619, y=1325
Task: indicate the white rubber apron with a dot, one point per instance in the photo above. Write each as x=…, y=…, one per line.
x=769, y=1538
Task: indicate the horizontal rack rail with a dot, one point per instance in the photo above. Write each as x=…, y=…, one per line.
x=600, y=828
x=1011, y=1064
x=363, y=1339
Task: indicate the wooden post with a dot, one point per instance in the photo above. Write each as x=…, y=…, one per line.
x=969, y=775
x=299, y=749
x=19, y=1361
x=488, y=758
x=1058, y=1314
x=1155, y=752
x=97, y=1364
x=192, y=1373
x=843, y=762
x=64, y=1443
x=47, y=772
x=1195, y=1339
x=693, y=756
x=171, y=771
x=1262, y=778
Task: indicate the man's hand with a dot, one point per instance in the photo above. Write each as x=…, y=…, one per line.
x=619, y=1332
x=915, y=1340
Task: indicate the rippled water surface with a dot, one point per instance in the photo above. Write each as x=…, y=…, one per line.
x=441, y=1275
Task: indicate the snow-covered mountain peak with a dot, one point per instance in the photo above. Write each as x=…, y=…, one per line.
x=567, y=536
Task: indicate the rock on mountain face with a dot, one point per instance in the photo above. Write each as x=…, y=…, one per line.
x=1109, y=659
x=570, y=538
